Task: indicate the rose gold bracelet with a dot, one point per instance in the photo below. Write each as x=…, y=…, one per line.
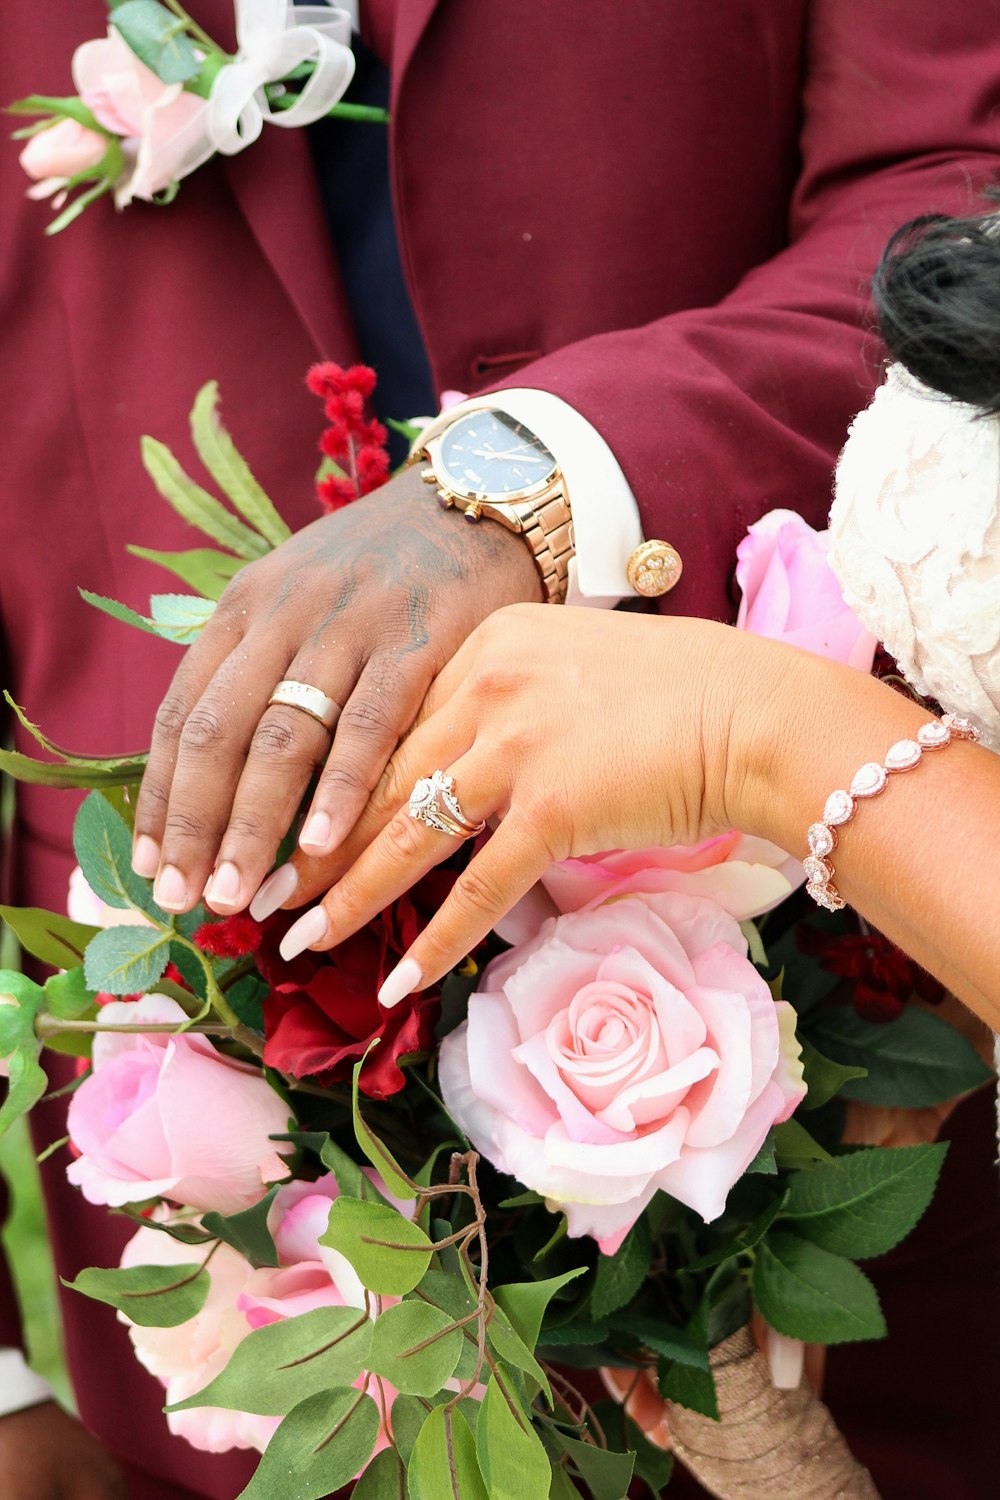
x=870, y=781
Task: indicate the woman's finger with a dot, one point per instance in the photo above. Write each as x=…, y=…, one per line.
x=404, y=851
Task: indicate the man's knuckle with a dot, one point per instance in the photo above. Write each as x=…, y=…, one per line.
x=342, y=778
x=368, y=718
x=206, y=729
x=246, y=824
x=275, y=738
x=183, y=825
x=170, y=718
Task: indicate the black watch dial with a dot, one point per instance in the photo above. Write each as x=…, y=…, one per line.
x=489, y=453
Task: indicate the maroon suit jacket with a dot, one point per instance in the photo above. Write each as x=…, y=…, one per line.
x=665, y=211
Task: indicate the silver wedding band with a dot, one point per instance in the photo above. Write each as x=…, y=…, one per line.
x=311, y=700
x=433, y=802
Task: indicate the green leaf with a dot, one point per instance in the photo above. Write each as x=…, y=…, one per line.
x=606, y=1474
x=824, y=1077
x=247, y=1232
x=379, y=1155
x=396, y=1351
x=795, y=1147
x=75, y=774
x=443, y=1464
x=201, y=568
x=119, y=611
x=619, y=1277
x=106, y=762
x=389, y=1253
x=807, y=1293
x=692, y=1388
x=867, y=1201
x=27, y=1082
x=197, y=506
x=54, y=939
x=20, y=1001
x=384, y=1479
x=350, y=1178
x=126, y=960
x=157, y=39
x=914, y=1061
x=683, y=1345
x=511, y=1348
x=281, y=1364
x=103, y=848
x=67, y=996
x=514, y=1464
x=526, y=1302
x=152, y=1296
x=321, y=1445
x=763, y=1163
x=230, y=469
x=561, y=1487
x=181, y=617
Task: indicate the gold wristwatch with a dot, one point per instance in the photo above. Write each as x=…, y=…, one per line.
x=489, y=464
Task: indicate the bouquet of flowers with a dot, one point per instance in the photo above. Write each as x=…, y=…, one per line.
x=413, y=1250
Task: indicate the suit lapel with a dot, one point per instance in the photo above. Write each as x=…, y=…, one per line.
x=411, y=18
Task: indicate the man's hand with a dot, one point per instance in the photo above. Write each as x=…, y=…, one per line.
x=47, y=1455
x=367, y=605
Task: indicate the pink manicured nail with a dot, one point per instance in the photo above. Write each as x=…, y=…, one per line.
x=223, y=889
x=401, y=982
x=316, y=833
x=146, y=856
x=276, y=890
x=311, y=928
x=786, y=1358
x=170, y=890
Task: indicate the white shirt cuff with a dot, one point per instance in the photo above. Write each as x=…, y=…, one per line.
x=606, y=525
x=20, y=1387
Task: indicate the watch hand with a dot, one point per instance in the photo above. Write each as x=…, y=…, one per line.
x=525, y=458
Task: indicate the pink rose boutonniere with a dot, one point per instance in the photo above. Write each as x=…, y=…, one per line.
x=621, y=1051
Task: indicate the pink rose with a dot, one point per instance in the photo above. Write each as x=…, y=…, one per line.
x=168, y=1115
x=162, y=125
x=186, y=1358
x=59, y=152
x=623, y=1050
x=84, y=905
x=790, y=592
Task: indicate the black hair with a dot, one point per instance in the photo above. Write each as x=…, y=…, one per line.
x=937, y=298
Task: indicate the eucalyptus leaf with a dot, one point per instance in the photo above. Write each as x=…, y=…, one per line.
x=396, y=1351
x=526, y=1302
x=383, y=1479
x=807, y=1293
x=389, y=1253
x=152, y=1296
x=378, y=1154
x=197, y=506
x=230, y=469
x=323, y=1442
x=513, y=1462
x=868, y=1201
x=281, y=1364
x=444, y=1463
x=126, y=960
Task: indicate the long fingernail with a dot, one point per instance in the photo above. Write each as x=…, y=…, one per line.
x=401, y=982
x=146, y=856
x=224, y=887
x=786, y=1357
x=316, y=833
x=170, y=890
x=276, y=890
x=311, y=928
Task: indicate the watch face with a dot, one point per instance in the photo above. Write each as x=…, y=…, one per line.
x=489, y=453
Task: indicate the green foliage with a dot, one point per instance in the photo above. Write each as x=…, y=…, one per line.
x=684, y=1346
x=808, y=1293
x=283, y=1363
x=607, y=1475
x=415, y=1346
x=230, y=469
x=444, y=1463
x=513, y=1462
x=175, y=617
x=247, y=1231
x=689, y=1387
x=204, y=569
x=53, y=939
x=152, y=1296
x=127, y=960
x=794, y=1147
x=389, y=1253
x=103, y=847
x=824, y=1077
x=864, y=1203
x=384, y=1479
x=197, y=506
x=619, y=1277
x=914, y=1061
x=20, y=1001
x=157, y=39
x=378, y=1154
x=526, y=1302
x=320, y=1445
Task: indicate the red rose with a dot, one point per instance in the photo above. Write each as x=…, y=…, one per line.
x=322, y=1010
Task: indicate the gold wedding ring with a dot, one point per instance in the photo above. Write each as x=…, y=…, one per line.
x=311, y=700
x=433, y=802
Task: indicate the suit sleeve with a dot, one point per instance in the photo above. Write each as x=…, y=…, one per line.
x=719, y=414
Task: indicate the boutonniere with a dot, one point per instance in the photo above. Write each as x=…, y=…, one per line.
x=157, y=97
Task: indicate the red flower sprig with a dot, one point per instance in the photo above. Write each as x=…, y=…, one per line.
x=885, y=978
x=233, y=937
x=355, y=443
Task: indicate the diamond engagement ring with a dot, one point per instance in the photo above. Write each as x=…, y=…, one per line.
x=310, y=699
x=433, y=801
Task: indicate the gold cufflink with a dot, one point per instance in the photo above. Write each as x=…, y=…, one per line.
x=653, y=568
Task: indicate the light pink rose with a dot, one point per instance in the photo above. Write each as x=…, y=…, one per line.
x=83, y=905
x=163, y=126
x=168, y=1115
x=624, y=1049
x=59, y=152
x=790, y=592
x=186, y=1358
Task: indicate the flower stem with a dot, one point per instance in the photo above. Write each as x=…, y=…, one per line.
x=191, y=26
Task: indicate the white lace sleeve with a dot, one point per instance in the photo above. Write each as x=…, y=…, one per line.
x=915, y=542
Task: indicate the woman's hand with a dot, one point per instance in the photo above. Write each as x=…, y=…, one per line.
x=575, y=730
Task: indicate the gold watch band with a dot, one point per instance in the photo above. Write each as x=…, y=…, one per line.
x=548, y=530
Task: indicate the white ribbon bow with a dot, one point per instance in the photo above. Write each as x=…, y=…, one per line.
x=275, y=37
